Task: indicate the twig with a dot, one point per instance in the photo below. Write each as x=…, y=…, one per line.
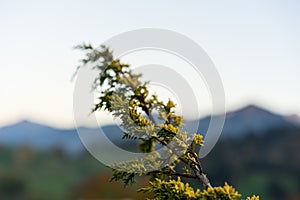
x=195, y=166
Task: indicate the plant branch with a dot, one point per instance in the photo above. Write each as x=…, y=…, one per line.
x=195, y=166
x=149, y=114
x=198, y=170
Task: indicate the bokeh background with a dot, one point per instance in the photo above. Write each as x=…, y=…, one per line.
x=254, y=45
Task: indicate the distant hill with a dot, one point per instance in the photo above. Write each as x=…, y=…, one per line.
x=295, y=119
x=248, y=120
x=42, y=137
x=39, y=136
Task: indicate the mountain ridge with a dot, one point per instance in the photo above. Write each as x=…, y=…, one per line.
x=239, y=123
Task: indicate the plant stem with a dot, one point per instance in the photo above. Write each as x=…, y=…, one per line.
x=195, y=166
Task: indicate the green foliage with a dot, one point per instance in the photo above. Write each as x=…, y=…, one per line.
x=171, y=189
x=123, y=94
x=127, y=178
x=226, y=192
x=176, y=189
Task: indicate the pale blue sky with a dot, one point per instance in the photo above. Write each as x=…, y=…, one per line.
x=255, y=45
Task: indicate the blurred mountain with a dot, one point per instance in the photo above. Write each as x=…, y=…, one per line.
x=240, y=123
x=295, y=119
x=250, y=120
x=42, y=137
x=39, y=136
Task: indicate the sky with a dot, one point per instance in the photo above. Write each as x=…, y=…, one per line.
x=254, y=45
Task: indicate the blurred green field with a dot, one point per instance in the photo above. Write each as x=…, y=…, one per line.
x=26, y=174
x=266, y=165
